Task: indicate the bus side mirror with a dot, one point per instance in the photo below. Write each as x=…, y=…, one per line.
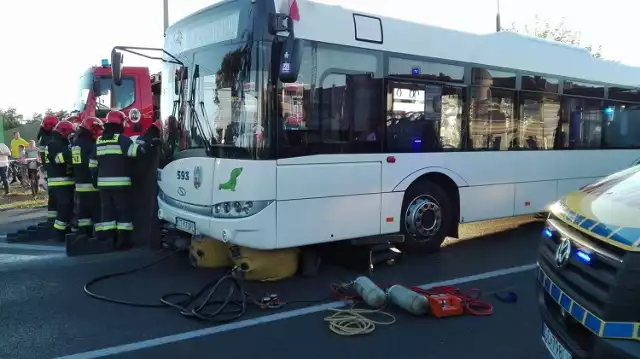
x=116, y=67
x=290, y=59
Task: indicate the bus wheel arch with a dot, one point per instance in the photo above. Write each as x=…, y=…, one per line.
x=430, y=212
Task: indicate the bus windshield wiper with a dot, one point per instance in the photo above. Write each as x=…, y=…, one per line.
x=193, y=113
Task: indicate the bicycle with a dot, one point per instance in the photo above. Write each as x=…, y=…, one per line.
x=27, y=170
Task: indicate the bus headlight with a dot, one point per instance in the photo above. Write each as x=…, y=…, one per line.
x=238, y=209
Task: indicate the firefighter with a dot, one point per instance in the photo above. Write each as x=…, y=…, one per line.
x=60, y=174
x=87, y=195
x=113, y=154
x=45, y=134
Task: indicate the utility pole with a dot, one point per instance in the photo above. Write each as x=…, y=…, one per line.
x=165, y=11
x=498, y=26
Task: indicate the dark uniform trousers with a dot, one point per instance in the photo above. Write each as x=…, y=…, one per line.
x=112, y=155
x=89, y=211
x=116, y=213
x=52, y=206
x=60, y=180
x=87, y=195
x=64, y=208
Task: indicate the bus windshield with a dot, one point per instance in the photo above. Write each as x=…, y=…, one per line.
x=215, y=97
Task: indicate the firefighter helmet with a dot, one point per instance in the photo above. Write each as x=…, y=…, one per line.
x=116, y=117
x=94, y=125
x=49, y=122
x=65, y=128
x=73, y=119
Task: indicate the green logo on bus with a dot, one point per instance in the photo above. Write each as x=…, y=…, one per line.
x=231, y=184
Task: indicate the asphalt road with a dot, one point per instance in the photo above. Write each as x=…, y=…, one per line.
x=45, y=314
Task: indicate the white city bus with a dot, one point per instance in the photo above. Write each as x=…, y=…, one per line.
x=403, y=128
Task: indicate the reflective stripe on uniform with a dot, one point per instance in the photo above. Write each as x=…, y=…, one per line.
x=60, y=181
x=76, y=155
x=133, y=150
x=93, y=163
x=113, y=181
x=52, y=214
x=84, y=222
x=60, y=225
x=85, y=187
x=101, y=140
x=126, y=226
x=105, y=226
x=59, y=158
x=103, y=150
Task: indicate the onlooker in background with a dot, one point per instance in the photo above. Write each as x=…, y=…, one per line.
x=16, y=142
x=32, y=150
x=4, y=166
x=22, y=151
x=31, y=155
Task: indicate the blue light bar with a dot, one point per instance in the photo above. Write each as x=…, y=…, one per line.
x=584, y=256
x=105, y=63
x=547, y=232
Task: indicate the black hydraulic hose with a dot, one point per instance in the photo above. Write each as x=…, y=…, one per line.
x=227, y=309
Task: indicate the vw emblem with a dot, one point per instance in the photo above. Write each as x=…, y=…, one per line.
x=197, y=177
x=182, y=191
x=563, y=253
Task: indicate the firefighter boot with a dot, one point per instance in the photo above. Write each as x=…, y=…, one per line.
x=124, y=241
x=61, y=236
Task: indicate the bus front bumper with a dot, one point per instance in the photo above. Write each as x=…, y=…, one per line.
x=257, y=231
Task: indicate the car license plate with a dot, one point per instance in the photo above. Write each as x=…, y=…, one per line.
x=186, y=226
x=556, y=349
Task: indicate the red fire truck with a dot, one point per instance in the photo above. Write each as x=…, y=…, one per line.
x=137, y=96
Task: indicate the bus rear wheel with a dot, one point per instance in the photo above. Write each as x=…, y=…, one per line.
x=427, y=215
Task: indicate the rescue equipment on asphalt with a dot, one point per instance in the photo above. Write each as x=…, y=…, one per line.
x=370, y=292
x=265, y=266
x=206, y=252
x=257, y=265
x=440, y=302
x=198, y=306
x=408, y=300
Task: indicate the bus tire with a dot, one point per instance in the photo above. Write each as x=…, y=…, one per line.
x=427, y=215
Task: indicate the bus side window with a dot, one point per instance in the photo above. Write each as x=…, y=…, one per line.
x=335, y=106
x=585, y=118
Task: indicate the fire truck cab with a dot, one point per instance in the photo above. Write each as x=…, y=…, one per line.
x=138, y=96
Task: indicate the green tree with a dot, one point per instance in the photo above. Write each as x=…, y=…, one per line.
x=62, y=114
x=35, y=118
x=49, y=112
x=556, y=31
x=11, y=118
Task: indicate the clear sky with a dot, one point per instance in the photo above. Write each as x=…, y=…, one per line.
x=46, y=45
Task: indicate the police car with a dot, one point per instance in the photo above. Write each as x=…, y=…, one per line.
x=589, y=271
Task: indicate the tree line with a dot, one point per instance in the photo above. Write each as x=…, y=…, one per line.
x=11, y=118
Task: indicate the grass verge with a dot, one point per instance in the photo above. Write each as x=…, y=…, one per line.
x=21, y=198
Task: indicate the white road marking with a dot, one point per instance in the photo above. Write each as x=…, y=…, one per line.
x=145, y=344
x=32, y=247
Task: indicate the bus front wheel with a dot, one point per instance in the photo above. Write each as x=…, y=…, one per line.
x=427, y=214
